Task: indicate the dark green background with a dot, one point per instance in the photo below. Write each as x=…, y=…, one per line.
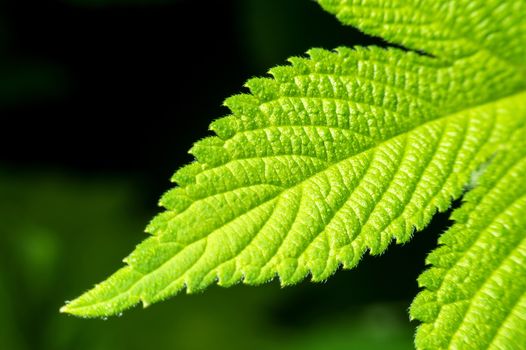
x=99, y=102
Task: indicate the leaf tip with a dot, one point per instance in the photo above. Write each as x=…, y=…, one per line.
x=64, y=309
x=69, y=308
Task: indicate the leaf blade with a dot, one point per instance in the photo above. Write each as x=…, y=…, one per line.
x=442, y=28
x=307, y=162
x=475, y=290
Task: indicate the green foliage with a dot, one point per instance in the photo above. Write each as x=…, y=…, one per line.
x=344, y=151
x=475, y=293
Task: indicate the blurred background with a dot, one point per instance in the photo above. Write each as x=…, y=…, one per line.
x=99, y=102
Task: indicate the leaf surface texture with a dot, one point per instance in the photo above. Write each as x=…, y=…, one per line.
x=344, y=151
x=475, y=296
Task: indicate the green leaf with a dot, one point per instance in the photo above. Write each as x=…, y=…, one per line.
x=337, y=154
x=475, y=295
x=447, y=29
